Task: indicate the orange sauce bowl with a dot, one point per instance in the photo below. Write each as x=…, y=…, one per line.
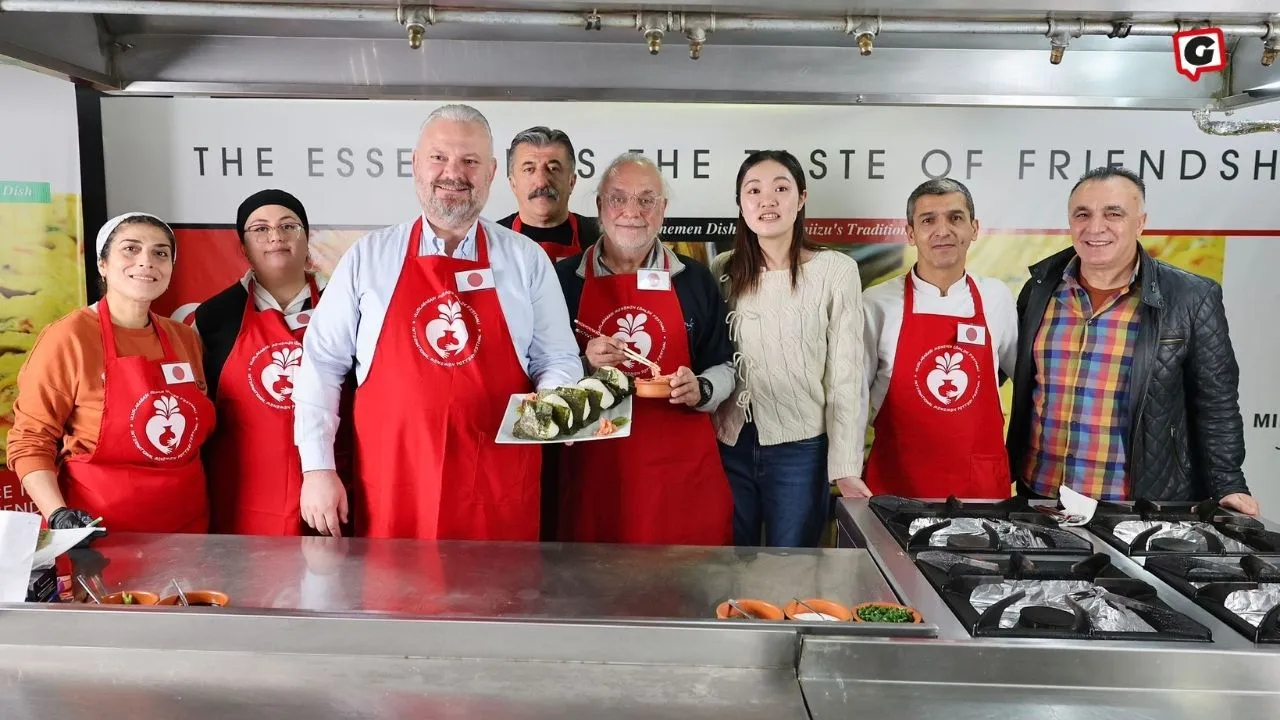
x=659, y=387
x=139, y=597
x=759, y=608
x=834, y=610
x=198, y=598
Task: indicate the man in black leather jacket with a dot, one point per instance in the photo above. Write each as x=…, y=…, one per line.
x=1126, y=384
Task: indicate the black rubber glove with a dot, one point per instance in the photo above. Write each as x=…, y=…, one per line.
x=87, y=562
x=64, y=518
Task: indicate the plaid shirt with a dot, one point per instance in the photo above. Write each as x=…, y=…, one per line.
x=1080, y=405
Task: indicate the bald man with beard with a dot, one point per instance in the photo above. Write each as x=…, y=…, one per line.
x=442, y=319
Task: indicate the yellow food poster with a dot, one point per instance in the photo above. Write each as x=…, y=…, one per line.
x=41, y=276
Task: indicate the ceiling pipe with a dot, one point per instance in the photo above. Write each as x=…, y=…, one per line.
x=536, y=18
x=171, y=8
x=613, y=20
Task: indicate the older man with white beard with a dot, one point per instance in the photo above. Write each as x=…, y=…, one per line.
x=441, y=319
x=664, y=484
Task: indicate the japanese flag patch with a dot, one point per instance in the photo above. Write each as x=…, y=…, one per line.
x=178, y=373
x=971, y=334
x=469, y=280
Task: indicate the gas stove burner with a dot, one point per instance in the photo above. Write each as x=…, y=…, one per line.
x=951, y=506
x=1244, y=522
x=1242, y=592
x=1153, y=533
x=1172, y=544
x=1044, y=617
x=967, y=542
x=983, y=534
x=1044, y=594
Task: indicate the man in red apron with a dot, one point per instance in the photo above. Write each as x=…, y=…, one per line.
x=542, y=171
x=664, y=484
x=936, y=339
x=443, y=319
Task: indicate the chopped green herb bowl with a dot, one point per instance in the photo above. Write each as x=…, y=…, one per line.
x=885, y=612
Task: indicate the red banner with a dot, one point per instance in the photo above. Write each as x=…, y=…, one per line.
x=209, y=260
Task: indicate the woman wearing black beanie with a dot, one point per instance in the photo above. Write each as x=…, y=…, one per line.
x=252, y=334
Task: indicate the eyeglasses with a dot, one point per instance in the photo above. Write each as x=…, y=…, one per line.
x=262, y=233
x=618, y=202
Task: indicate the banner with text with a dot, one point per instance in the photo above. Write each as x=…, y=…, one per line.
x=42, y=274
x=1210, y=199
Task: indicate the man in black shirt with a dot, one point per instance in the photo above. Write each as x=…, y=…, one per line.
x=542, y=170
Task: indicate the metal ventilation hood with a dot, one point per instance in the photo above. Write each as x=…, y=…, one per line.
x=1072, y=53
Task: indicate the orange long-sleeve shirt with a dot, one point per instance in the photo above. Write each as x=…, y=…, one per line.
x=58, y=411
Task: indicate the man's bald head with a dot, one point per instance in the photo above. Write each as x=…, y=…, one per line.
x=454, y=166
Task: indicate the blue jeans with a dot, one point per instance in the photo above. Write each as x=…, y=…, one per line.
x=782, y=487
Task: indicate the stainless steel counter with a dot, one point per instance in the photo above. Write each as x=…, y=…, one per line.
x=110, y=684
x=485, y=580
x=323, y=628
x=831, y=700
x=328, y=629
x=958, y=677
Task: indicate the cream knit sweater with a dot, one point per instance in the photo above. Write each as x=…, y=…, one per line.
x=799, y=359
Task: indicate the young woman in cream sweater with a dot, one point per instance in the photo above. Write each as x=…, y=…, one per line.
x=796, y=325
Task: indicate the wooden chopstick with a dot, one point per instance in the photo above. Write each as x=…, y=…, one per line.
x=657, y=371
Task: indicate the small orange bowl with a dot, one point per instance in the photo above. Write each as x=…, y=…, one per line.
x=139, y=598
x=759, y=608
x=916, y=618
x=659, y=387
x=200, y=598
x=832, y=610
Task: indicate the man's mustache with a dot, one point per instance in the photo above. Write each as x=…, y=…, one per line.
x=454, y=184
x=545, y=191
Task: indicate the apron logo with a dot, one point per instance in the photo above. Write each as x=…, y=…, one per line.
x=446, y=330
x=159, y=426
x=271, y=372
x=631, y=325
x=947, y=379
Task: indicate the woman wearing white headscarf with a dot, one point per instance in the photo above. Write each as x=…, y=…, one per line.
x=111, y=409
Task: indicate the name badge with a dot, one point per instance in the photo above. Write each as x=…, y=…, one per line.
x=653, y=280
x=470, y=280
x=299, y=320
x=971, y=334
x=177, y=373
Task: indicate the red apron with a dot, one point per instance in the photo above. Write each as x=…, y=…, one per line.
x=939, y=430
x=556, y=251
x=664, y=484
x=440, y=380
x=145, y=474
x=255, y=473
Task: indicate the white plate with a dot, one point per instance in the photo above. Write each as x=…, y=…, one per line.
x=622, y=409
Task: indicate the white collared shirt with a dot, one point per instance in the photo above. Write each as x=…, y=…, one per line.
x=263, y=300
x=344, y=330
x=433, y=244
x=882, y=314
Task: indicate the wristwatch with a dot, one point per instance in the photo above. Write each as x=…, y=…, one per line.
x=704, y=391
